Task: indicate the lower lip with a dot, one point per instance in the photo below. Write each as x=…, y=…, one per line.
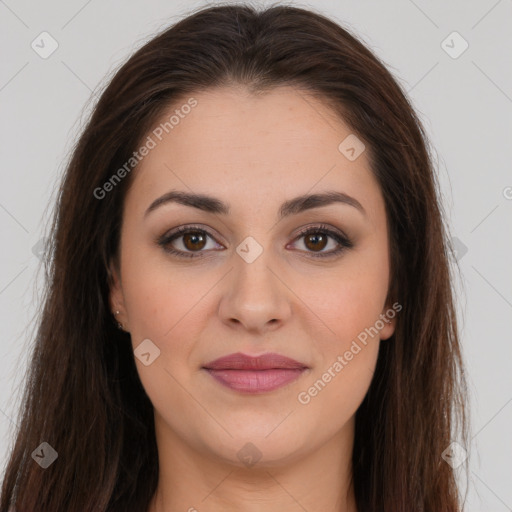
x=256, y=381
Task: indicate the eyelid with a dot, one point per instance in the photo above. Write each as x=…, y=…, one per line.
x=339, y=236
x=185, y=228
x=336, y=234
x=176, y=233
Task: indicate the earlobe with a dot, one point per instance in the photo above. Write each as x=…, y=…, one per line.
x=388, y=322
x=116, y=296
x=388, y=330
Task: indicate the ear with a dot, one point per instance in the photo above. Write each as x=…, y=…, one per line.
x=388, y=318
x=116, y=296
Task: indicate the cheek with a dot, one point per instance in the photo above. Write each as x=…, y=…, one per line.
x=166, y=305
x=345, y=306
x=347, y=300
x=161, y=296
x=347, y=346
x=333, y=394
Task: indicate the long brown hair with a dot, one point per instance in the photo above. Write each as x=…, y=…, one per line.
x=83, y=395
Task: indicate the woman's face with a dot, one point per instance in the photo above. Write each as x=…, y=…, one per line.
x=244, y=279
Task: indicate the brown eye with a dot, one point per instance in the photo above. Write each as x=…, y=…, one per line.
x=194, y=240
x=315, y=241
x=188, y=241
x=191, y=242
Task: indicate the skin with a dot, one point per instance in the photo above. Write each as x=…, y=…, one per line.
x=254, y=153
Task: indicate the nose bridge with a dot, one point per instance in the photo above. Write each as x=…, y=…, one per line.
x=254, y=282
x=255, y=296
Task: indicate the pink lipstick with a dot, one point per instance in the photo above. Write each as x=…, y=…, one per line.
x=260, y=374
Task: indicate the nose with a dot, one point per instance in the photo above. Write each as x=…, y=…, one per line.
x=255, y=298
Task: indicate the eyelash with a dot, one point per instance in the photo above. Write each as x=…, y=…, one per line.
x=165, y=240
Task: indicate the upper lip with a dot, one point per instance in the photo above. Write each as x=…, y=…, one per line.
x=239, y=361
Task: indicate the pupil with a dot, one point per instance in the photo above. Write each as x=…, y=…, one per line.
x=317, y=237
x=196, y=238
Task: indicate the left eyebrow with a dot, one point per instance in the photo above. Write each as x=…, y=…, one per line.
x=293, y=206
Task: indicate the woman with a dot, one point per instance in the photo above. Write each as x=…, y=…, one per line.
x=250, y=303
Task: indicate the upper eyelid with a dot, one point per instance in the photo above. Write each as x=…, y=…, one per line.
x=180, y=230
x=341, y=239
x=334, y=233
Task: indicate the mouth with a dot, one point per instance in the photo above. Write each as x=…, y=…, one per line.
x=260, y=374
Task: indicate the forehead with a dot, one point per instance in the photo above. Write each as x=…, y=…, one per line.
x=250, y=148
x=236, y=125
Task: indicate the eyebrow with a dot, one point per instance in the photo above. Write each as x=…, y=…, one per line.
x=291, y=207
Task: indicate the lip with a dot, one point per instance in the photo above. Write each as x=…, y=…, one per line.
x=259, y=374
x=268, y=361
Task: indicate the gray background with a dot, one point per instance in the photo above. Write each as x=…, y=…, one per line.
x=464, y=102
